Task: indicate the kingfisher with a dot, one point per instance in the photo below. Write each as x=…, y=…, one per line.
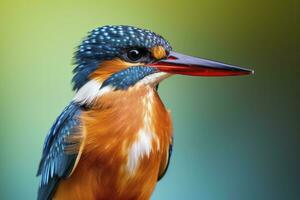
x=114, y=139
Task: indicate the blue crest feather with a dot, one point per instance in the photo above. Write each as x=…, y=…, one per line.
x=109, y=42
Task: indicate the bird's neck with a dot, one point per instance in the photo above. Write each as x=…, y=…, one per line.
x=127, y=134
x=135, y=120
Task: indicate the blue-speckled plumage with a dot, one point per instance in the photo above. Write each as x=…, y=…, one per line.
x=128, y=77
x=109, y=42
x=104, y=43
x=55, y=163
x=122, y=156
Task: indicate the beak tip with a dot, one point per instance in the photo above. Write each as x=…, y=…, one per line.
x=251, y=72
x=248, y=71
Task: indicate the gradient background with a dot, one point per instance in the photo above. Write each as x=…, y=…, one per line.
x=235, y=137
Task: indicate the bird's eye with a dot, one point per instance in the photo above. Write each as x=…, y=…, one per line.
x=134, y=55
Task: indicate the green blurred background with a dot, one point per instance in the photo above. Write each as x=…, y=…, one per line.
x=235, y=137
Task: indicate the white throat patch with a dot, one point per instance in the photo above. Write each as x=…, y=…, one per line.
x=154, y=79
x=90, y=91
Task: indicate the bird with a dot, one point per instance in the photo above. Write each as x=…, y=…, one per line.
x=114, y=139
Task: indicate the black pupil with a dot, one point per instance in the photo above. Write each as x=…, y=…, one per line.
x=134, y=54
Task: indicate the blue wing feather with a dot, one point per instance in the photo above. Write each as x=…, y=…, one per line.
x=55, y=163
x=168, y=162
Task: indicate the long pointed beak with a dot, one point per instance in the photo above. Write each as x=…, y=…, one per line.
x=178, y=63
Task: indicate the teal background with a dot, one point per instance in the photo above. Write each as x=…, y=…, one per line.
x=235, y=137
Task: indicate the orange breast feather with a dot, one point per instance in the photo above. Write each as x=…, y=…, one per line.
x=127, y=136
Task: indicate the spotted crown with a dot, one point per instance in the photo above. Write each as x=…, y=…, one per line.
x=108, y=42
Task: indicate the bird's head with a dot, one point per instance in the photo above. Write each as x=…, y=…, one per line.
x=122, y=56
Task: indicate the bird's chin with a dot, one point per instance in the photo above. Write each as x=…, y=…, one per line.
x=154, y=79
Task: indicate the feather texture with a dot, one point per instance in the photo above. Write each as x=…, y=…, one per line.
x=126, y=147
x=57, y=160
x=108, y=42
